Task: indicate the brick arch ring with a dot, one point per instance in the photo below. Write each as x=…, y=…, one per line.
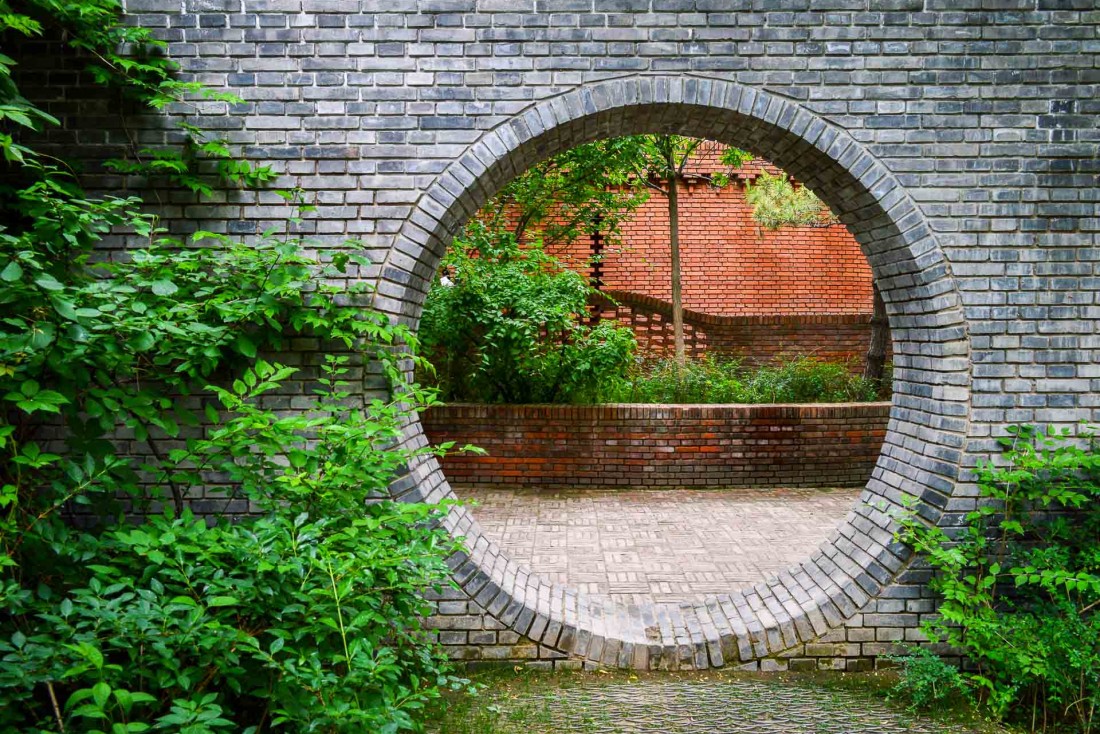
x=922, y=455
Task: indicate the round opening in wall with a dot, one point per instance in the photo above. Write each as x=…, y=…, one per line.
x=675, y=360
x=602, y=301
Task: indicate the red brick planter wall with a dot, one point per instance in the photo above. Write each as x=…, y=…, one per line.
x=662, y=445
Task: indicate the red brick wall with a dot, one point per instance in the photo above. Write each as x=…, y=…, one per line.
x=730, y=265
x=662, y=445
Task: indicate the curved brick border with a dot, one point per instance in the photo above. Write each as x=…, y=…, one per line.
x=928, y=422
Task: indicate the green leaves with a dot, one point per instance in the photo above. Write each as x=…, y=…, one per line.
x=164, y=287
x=776, y=202
x=12, y=272
x=31, y=398
x=714, y=380
x=145, y=620
x=1019, y=584
x=511, y=327
x=48, y=282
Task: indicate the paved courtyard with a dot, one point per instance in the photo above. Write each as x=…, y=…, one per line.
x=715, y=703
x=645, y=545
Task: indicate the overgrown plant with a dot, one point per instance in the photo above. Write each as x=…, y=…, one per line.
x=294, y=601
x=510, y=325
x=130, y=59
x=926, y=679
x=1019, y=580
x=305, y=617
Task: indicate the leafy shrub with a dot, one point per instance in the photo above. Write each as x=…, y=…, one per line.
x=119, y=611
x=1019, y=580
x=508, y=326
x=306, y=616
x=926, y=680
x=715, y=380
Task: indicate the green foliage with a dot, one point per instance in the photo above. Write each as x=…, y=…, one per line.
x=716, y=380
x=584, y=190
x=1019, y=579
x=294, y=601
x=595, y=187
x=659, y=159
x=776, y=202
x=509, y=326
x=306, y=616
x=926, y=679
x=128, y=58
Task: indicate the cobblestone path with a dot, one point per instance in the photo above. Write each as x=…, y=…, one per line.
x=646, y=545
x=732, y=706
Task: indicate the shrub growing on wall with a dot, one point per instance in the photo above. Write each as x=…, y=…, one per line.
x=715, y=380
x=1019, y=581
x=508, y=324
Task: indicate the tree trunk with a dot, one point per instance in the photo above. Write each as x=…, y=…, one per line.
x=674, y=246
x=880, y=336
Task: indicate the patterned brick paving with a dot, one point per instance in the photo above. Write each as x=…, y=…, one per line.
x=646, y=545
x=663, y=704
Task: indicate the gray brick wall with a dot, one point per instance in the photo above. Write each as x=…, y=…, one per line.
x=956, y=138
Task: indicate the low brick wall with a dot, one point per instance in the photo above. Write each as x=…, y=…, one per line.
x=662, y=445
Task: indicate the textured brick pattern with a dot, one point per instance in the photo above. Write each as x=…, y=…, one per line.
x=754, y=339
x=662, y=445
x=956, y=139
x=738, y=704
x=641, y=546
x=730, y=265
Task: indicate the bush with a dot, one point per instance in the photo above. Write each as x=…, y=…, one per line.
x=306, y=615
x=117, y=614
x=926, y=680
x=716, y=380
x=1019, y=581
x=508, y=326
x=776, y=202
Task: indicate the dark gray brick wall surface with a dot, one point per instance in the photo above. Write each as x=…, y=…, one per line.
x=957, y=139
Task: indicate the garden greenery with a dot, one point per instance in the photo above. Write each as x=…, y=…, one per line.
x=1020, y=580
x=776, y=202
x=712, y=379
x=294, y=601
x=509, y=324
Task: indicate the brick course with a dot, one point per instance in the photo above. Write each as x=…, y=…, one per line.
x=662, y=445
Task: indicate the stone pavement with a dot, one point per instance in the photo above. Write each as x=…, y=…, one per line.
x=709, y=705
x=732, y=707
x=646, y=545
